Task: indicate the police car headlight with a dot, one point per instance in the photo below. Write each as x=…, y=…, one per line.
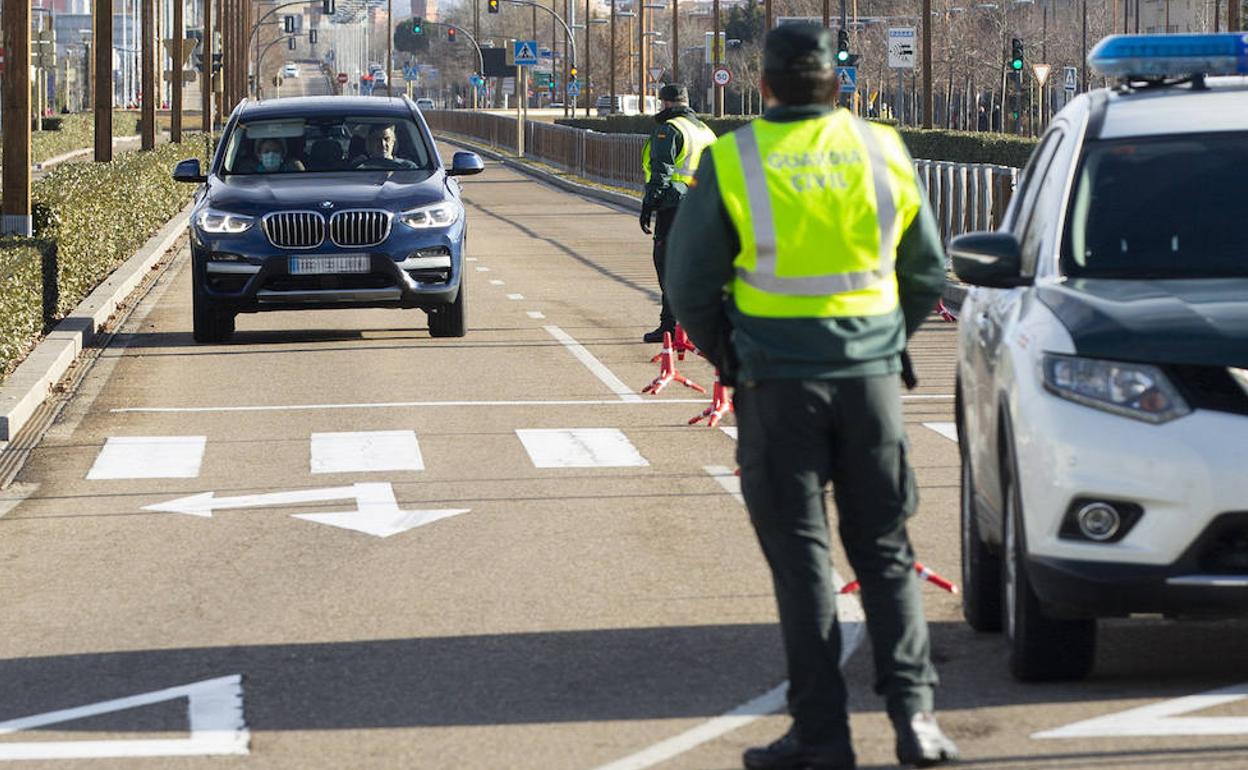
x=1139, y=391
x=438, y=215
x=223, y=222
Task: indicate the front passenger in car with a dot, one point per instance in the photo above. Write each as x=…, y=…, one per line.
x=272, y=157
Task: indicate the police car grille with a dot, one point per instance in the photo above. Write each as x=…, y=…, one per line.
x=1210, y=387
x=359, y=228
x=295, y=229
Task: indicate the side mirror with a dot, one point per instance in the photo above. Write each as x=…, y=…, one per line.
x=189, y=171
x=465, y=164
x=993, y=260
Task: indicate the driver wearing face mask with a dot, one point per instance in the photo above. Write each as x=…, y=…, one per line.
x=272, y=155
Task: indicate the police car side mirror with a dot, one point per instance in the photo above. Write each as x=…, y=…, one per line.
x=465, y=164
x=989, y=259
x=189, y=171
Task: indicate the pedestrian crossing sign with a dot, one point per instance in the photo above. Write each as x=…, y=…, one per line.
x=849, y=79
x=525, y=52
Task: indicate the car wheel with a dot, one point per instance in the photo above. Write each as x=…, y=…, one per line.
x=451, y=320
x=209, y=323
x=1042, y=649
x=981, y=568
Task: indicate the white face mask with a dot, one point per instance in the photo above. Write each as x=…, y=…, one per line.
x=270, y=160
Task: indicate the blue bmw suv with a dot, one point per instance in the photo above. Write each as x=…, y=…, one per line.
x=327, y=202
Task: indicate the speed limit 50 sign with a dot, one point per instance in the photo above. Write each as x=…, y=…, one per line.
x=722, y=76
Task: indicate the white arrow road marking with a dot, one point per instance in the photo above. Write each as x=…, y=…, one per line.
x=1161, y=719
x=947, y=429
x=214, y=710
x=377, y=511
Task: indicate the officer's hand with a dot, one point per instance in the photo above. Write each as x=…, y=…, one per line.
x=647, y=216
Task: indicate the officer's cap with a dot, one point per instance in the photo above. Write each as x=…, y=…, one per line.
x=796, y=48
x=674, y=92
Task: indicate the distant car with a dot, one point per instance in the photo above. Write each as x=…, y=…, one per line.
x=356, y=211
x=1102, y=377
x=625, y=104
x=290, y=71
x=425, y=104
x=379, y=78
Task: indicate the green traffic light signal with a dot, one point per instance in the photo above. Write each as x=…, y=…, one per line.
x=418, y=26
x=842, y=56
x=1016, y=64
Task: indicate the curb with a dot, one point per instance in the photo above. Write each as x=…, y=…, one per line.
x=32, y=382
x=563, y=183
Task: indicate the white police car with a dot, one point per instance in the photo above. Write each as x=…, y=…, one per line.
x=1102, y=398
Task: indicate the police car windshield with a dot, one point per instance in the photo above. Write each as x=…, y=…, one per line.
x=1160, y=207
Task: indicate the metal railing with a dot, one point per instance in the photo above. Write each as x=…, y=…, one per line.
x=965, y=197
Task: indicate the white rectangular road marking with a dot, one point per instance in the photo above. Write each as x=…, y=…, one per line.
x=731, y=430
x=515, y=296
x=536, y=315
x=947, y=429
x=483, y=270
x=470, y=259
x=580, y=448
x=600, y=371
x=149, y=457
x=386, y=450
x=496, y=282
x=727, y=478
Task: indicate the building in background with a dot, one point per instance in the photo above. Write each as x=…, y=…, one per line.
x=425, y=9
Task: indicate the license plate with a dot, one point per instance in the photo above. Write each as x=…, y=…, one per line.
x=323, y=265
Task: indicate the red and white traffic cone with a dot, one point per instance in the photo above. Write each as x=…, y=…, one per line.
x=721, y=405
x=944, y=312
x=925, y=573
x=667, y=371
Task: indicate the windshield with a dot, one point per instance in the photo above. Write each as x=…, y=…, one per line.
x=329, y=143
x=1167, y=207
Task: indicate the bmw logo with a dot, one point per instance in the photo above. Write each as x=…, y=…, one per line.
x=327, y=204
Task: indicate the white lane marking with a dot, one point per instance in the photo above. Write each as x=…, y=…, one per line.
x=470, y=259
x=214, y=711
x=1162, y=719
x=580, y=448
x=947, y=429
x=515, y=296
x=591, y=363
x=850, y=619
x=403, y=405
x=535, y=314
x=483, y=269
x=149, y=457
x=365, y=452
x=731, y=430
x=727, y=478
x=496, y=282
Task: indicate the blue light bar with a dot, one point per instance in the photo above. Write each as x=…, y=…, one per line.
x=1147, y=56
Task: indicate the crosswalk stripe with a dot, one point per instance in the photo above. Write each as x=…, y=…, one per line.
x=947, y=429
x=364, y=452
x=149, y=457
x=580, y=448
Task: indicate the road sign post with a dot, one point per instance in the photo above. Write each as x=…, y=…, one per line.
x=901, y=56
x=722, y=76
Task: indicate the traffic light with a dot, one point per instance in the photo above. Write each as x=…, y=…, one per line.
x=216, y=63
x=418, y=26
x=327, y=7
x=572, y=72
x=1016, y=54
x=492, y=6
x=450, y=34
x=842, y=47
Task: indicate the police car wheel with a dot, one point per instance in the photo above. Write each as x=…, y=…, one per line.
x=209, y=324
x=981, y=568
x=1042, y=649
x=451, y=320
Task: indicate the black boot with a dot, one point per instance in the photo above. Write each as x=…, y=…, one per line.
x=657, y=334
x=788, y=753
x=921, y=743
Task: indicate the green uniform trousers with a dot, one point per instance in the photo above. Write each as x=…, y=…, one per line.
x=796, y=436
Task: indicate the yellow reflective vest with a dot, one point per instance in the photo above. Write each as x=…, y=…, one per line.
x=697, y=137
x=819, y=207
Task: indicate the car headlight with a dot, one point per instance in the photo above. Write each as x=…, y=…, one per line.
x=1140, y=391
x=437, y=215
x=223, y=222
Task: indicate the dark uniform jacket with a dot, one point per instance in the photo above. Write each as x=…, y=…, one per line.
x=665, y=146
x=701, y=249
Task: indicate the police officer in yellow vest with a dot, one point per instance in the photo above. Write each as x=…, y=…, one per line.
x=800, y=262
x=668, y=160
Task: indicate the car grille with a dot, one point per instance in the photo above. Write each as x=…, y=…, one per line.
x=359, y=228
x=1210, y=387
x=295, y=229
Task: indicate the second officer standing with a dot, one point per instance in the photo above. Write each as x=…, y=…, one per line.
x=669, y=161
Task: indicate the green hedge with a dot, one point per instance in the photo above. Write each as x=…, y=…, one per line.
x=77, y=131
x=98, y=214
x=935, y=144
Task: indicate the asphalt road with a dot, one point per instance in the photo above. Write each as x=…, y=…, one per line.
x=544, y=617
